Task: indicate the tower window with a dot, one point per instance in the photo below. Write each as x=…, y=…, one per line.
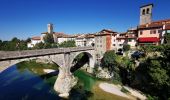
x=143, y=12
x=147, y=11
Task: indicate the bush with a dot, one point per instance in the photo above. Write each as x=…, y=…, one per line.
x=126, y=47
x=124, y=90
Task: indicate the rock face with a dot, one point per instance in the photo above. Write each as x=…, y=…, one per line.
x=64, y=83
x=103, y=73
x=87, y=68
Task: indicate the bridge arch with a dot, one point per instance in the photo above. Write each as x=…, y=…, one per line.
x=7, y=64
x=90, y=59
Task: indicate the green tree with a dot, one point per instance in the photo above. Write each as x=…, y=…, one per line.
x=70, y=43
x=15, y=40
x=28, y=40
x=167, y=38
x=109, y=61
x=48, y=38
x=39, y=46
x=126, y=47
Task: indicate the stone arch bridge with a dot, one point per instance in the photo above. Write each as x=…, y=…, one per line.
x=61, y=56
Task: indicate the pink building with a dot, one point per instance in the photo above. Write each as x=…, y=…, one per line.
x=151, y=33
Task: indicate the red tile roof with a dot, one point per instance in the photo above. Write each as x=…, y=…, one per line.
x=155, y=24
x=36, y=38
x=105, y=32
x=149, y=39
x=167, y=27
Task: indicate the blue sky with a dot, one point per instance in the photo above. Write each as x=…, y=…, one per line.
x=27, y=18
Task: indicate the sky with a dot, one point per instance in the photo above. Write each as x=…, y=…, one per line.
x=27, y=18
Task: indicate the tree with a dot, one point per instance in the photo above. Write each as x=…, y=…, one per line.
x=15, y=40
x=70, y=43
x=39, y=46
x=167, y=38
x=158, y=74
x=48, y=38
x=126, y=47
x=28, y=40
x=109, y=60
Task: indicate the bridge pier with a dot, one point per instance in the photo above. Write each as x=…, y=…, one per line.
x=64, y=83
x=65, y=80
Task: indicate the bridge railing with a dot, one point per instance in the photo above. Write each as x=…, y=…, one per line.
x=31, y=53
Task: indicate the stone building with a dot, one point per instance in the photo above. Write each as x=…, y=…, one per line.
x=146, y=14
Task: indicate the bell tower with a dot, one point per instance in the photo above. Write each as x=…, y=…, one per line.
x=50, y=28
x=146, y=14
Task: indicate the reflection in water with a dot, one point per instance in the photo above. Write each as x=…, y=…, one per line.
x=16, y=85
x=24, y=84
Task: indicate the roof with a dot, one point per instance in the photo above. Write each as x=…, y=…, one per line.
x=108, y=30
x=167, y=27
x=81, y=36
x=151, y=4
x=105, y=32
x=149, y=39
x=90, y=35
x=155, y=24
x=36, y=38
x=62, y=35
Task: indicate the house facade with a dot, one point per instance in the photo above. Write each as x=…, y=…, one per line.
x=34, y=41
x=153, y=33
x=103, y=42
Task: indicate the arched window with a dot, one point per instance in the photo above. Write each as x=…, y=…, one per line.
x=143, y=12
x=147, y=11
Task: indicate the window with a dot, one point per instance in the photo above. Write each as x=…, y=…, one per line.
x=100, y=45
x=119, y=40
x=141, y=32
x=143, y=12
x=113, y=44
x=153, y=32
x=120, y=44
x=147, y=11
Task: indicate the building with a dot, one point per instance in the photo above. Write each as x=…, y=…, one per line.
x=90, y=41
x=84, y=40
x=131, y=37
x=153, y=33
x=114, y=41
x=34, y=41
x=103, y=42
x=61, y=37
x=80, y=40
x=50, y=28
x=146, y=14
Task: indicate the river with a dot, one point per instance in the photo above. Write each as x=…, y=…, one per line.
x=20, y=82
x=28, y=81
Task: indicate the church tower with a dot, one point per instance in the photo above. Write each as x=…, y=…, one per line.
x=50, y=28
x=146, y=14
